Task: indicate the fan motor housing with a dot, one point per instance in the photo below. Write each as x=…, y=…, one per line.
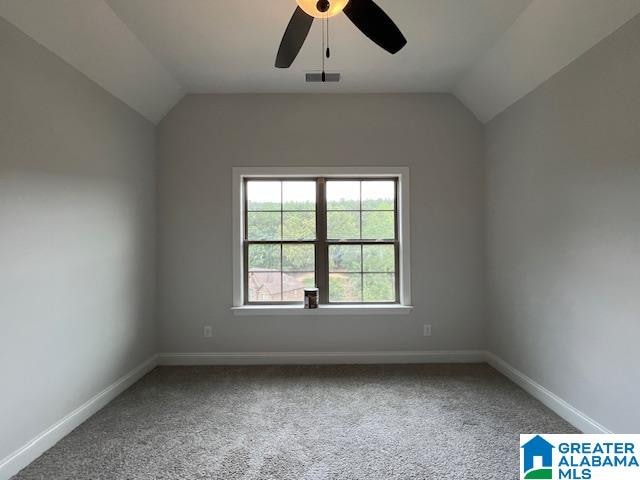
x=323, y=5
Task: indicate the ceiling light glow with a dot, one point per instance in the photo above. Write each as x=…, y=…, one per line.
x=310, y=7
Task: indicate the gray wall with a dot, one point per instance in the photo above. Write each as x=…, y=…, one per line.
x=205, y=135
x=76, y=239
x=563, y=187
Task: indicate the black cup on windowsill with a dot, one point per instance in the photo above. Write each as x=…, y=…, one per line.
x=311, y=297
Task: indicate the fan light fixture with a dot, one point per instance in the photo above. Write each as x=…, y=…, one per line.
x=322, y=8
x=368, y=17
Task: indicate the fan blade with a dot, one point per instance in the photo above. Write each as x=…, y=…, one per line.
x=293, y=38
x=375, y=24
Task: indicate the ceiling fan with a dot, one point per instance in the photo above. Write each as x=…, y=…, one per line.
x=365, y=14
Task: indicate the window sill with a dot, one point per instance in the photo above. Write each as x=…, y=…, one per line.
x=276, y=310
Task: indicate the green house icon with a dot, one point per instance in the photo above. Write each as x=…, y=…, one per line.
x=538, y=447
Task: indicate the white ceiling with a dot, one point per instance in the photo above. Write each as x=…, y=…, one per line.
x=149, y=53
x=543, y=40
x=88, y=35
x=230, y=46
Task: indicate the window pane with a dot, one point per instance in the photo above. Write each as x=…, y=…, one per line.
x=298, y=258
x=263, y=195
x=294, y=285
x=378, y=195
x=379, y=287
x=343, y=225
x=264, y=257
x=299, y=195
x=345, y=287
x=263, y=226
x=378, y=225
x=264, y=286
x=378, y=258
x=345, y=258
x=343, y=195
x=299, y=225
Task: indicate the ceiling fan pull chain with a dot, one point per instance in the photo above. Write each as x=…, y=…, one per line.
x=323, y=20
x=328, y=52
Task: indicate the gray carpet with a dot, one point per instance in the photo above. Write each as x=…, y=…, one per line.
x=313, y=422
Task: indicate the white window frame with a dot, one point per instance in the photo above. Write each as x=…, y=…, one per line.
x=401, y=173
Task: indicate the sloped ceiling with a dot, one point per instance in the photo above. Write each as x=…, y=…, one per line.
x=88, y=35
x=149, y=53
x=544, y=39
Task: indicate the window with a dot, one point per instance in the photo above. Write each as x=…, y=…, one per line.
x=361, y=240
x=345, y=234
x=280, y=239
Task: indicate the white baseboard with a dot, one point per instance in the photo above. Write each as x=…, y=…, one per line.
x=26, y=454
x=571, y=414
x=316, y=358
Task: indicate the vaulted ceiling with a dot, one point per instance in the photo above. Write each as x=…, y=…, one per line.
x=150, y=53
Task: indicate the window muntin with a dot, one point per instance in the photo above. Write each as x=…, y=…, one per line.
x=338, y=234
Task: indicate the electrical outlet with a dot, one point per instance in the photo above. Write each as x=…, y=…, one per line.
x=208, y=333
x=426, y=330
